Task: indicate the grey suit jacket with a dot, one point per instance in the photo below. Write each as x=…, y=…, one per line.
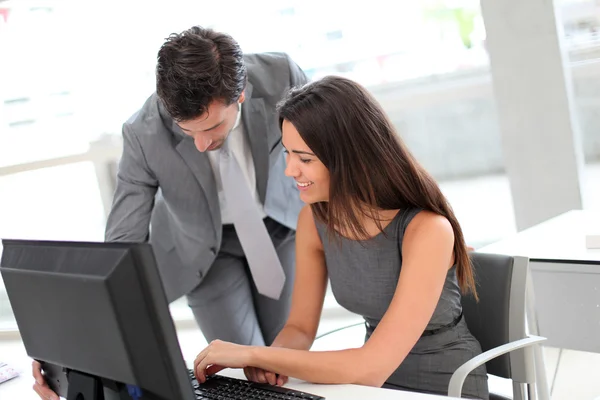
x=163, y=180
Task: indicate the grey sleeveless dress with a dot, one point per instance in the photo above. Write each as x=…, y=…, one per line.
x=364, y=275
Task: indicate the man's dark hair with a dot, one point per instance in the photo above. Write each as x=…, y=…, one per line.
x=197, y=67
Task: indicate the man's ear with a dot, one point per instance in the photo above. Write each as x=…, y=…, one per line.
x=242, y=97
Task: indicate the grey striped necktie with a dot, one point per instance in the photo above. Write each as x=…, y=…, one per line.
x=253, y=235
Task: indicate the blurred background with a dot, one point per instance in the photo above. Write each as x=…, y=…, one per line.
x=71, y=72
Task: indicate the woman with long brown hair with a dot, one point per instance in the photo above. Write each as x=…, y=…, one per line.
x=378, y=227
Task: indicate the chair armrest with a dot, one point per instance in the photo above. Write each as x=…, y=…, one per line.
x=338, y=329
x=458, y=378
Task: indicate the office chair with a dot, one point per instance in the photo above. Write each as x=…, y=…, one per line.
x=502, y=321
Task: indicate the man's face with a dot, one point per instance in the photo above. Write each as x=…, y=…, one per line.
x=210, y=130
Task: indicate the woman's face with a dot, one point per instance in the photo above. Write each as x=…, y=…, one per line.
x=311, y=176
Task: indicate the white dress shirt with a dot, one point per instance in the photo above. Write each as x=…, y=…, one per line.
x=240, y=147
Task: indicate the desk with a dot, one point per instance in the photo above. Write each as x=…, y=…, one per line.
x=565, y=275
x=348, y=392
x=21, y=388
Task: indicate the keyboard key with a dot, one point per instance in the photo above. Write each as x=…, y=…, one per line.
x=219, y=387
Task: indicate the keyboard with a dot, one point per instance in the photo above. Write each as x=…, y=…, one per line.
x=218, y=387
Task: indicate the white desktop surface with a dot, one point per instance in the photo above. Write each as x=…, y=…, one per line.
x=565, y=275
x=21, y=388
x=348, y=392
x=559, y=238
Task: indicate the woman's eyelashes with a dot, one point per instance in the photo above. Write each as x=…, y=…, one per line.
x=304, y=160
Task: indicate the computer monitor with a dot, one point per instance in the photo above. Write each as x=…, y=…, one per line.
x=98, y=312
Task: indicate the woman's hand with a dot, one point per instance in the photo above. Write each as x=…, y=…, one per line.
x=261, y=376
x=219, y=355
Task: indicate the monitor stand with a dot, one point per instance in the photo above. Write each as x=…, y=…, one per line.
x=89, y=387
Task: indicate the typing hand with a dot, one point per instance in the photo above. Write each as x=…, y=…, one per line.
x=261, y=376
x=40, y=386
x=219, y=355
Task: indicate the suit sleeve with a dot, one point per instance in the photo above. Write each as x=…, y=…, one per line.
x=129, y=218
x=297, y=76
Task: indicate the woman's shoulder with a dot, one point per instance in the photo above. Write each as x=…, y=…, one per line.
x=307, y=232
x=306, y=217
x=426, y=222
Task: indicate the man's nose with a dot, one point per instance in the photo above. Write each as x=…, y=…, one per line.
x=202, y=143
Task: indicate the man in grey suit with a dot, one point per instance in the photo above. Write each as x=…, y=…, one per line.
x=171, y=190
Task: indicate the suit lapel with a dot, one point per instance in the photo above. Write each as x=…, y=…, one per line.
x=200, y=166
x=254, y=117
x=198, y=163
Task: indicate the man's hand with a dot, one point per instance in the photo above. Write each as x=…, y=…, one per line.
x=261, y=376
x=40, y=386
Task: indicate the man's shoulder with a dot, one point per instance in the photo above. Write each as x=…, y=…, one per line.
x=269, y=74
x=266, y=61
x=147, y=119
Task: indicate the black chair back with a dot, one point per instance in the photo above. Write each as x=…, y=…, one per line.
x=489, y=319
